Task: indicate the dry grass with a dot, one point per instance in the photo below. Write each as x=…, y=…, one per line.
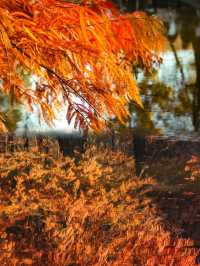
x=88, y=212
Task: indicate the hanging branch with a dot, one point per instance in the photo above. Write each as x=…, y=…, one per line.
x=86, y=48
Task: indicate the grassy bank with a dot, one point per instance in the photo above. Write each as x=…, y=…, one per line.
x=89, y=211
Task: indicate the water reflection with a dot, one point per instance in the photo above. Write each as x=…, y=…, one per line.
x=167, y=97
x=172, y=96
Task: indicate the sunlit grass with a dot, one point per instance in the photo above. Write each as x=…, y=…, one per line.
x=90, y=211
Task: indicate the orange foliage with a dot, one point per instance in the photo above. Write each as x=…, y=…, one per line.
x=192, y=168
x=93, y=212
x=85, y=50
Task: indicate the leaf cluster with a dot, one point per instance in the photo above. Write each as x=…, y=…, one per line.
x=81, y=55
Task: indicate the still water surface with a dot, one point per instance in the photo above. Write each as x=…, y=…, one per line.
x=168, y=114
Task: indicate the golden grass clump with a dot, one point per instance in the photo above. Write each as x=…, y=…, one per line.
x=88, y=212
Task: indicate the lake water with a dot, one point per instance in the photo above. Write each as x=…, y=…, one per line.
x=178, y=81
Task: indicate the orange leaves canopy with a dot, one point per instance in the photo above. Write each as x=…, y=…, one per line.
x=77, y=51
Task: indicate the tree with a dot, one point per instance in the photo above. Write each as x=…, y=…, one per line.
x=82, y=53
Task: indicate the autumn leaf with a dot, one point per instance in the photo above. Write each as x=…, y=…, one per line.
x=82, y=50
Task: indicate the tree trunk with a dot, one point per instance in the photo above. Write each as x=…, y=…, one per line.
x=196, y=106
x=139, y=144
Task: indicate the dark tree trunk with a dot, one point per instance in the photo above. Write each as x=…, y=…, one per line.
x=133, y=5
x=26, y=143
x=139, y=144
x=196, y=110
x=68, y=145
x=155, y=3
x=65, y=146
